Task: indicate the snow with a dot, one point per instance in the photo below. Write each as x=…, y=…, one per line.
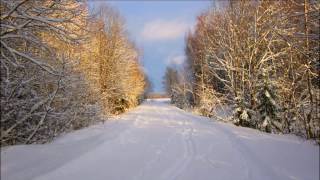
x=265, y=121
x=157, y=141
x=244, y=115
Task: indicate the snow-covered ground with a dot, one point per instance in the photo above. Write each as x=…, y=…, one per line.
x=157, y=141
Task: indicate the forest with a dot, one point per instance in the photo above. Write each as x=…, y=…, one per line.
x=81, y=97
x=257, y=60
x=63, y=68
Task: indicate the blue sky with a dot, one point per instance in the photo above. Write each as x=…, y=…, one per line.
x=158, y=28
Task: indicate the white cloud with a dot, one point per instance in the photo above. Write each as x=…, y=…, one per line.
x=164, y=30
x=176, y=60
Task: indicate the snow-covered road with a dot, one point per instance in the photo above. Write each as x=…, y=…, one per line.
x=157, y=141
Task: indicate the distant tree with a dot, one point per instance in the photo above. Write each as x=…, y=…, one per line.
x=170, y=80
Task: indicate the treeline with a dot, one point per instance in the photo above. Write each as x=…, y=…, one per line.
x=258, y=58
x=156, y=95
x=63, y=68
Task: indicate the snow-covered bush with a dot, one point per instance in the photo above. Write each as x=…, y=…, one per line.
x=242, y=115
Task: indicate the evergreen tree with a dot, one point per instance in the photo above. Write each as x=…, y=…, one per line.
x=267, y=106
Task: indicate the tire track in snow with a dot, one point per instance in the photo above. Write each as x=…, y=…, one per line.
x=246, y=163
x=249, y=158
x=97, y=152
x=157, y=156
x=223, y=131
x=189, y=151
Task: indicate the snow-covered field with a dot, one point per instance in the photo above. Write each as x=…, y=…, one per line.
x=157, y=141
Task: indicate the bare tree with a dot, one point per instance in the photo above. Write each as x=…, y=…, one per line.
x=61, y=68
x=232, y=49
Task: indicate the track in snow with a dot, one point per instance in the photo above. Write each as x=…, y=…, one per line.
x=157, y=141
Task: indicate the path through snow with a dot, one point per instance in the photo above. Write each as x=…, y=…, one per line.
x=157, y=141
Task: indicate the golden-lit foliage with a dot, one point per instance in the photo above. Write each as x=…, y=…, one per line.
x=61, y=68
